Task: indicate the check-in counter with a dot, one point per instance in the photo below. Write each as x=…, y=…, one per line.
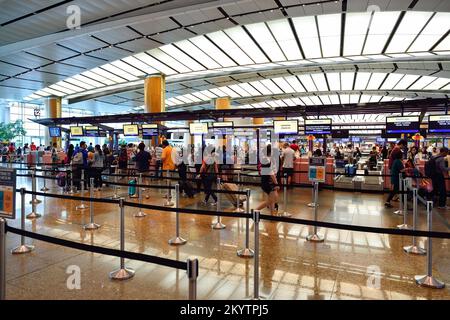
x=302, y=164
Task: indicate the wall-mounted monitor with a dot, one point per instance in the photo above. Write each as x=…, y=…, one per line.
x=439, y=124
x=222, y=128
x=285, y=126
x=130, y=130
x=76, y=131
x=339, y=134
x=409, y=124
x=91, y=131
x=54, y=132
x=149, y=131
x=318, y=126
x=198, y=128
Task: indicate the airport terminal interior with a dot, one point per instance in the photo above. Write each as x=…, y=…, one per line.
x=225, y=150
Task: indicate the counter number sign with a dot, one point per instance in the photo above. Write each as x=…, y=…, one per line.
x=316, y=172
x=8, y=193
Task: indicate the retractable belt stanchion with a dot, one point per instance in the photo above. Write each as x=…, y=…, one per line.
x=82, y=205
x=247, y=252
x=115, y=195
x=169, y=202
x=33, y=214
x=428, y=280
x=44, y=188
x=34, y=199
x=313, y=203
x=192, y=271
x=140, y=214
x=177, y=240
x=2, y=259
x=400, y=186
x=255, y=215
x=123, y=273
x=285, y=213
x=405, y=225
x=238, y=198
x=315, y=237
x=414, y=248
x=23, y=248
x=91, y=225
x=71, y=190
x=218, y=225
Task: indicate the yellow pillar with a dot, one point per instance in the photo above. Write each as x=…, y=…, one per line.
x=222, y=103
x=54, y=107
x=155, y=96
x=258, y=121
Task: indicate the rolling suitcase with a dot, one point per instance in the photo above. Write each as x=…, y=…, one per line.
x=61, y=179
x=187, y=188
x=233, y=197
x=132, y=187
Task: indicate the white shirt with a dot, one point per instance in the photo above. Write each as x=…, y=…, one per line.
x=158, y=153
x=288, y=157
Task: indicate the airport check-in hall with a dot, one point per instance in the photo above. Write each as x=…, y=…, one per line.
x=225, y=150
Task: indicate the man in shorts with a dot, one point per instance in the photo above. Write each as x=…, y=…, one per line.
x=287, y=156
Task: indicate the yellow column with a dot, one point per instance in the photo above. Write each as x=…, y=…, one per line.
x=55, y=111
x=222, y=103
x=258, y=121
x=155, y=96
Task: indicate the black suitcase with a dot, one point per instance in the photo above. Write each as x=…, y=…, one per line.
x=187, y=188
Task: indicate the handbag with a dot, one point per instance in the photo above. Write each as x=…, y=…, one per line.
x=426, y=184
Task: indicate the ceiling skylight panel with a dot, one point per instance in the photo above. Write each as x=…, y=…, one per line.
x=140, y=65
x=273, y=104
x=182, y=57
x=168, y=60
x=289, y=102
x=347, y=80
x=128, y=68
x=307, y=101
x=412, y=23
x=280, y=103
x=184, y=99
x=434, y=30
x=391, y=81
x=201, y=96
x=309, y=39
x=247, y=87
x=230, y=92
x=218, y=92
x=375, y=81
x=364, y=98
x=176, y=101
x=210, y=49
x=437, y=84
x=354, y=98
x=386, y=99
x=325, y=99
x=319, y=80
x=209, y=94
x=170, y=103
x=161, y=67
x=334, y=80
x=87, y=81
x=103, y=76
x=406, y=81
x=242, y=39
x=362, y=78
x=295, y=84
x=284, y=85
x=315, y=100
x=54, y=92
x=119, y=72
x=375, y=98
x=297, y=102
x=262, y=35
x=268, y=83
x=239, y=90
x=69, y=86
x=330, y=34
x=192, y=97
x=345, y=98
x=79, y=83
x=221, y=39
x=380, y=30
x=261, y=88
x=307, y=82
x=61, y=89
x=355, y=32
x=444, y=45
x=334, y=99
x=285, y=37
x=201, y=57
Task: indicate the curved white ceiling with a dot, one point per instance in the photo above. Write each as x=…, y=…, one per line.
x=378, y=36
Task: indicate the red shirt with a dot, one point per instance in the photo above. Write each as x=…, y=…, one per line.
x=294, y=147
x=393, y=152
x=33, y=147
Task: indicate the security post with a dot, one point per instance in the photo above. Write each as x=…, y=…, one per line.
x=316, y=174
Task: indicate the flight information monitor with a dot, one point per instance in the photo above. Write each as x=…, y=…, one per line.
x=439, y=124
x=130, y=130
x=54, y=132
x=285, y=126
x=409, y=124
x=76, y=131
x=198, y=128
x=91, y=131
x=340, y=134
x=317, y=126
x=149, y=131
x=221, y=128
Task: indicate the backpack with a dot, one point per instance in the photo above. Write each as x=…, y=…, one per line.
x=77, y=158
x=123, y=156
x=430, y=166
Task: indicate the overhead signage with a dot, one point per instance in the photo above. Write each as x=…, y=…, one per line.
x=91, y=131
x=439, y=124
x=314, y=127
x=54, y=132
x=340, y=134
x=285, y=126
x=316, y=170
x=7, y=193
x=198, y=128
x=130, y=130
x=409, y=124
x=149, y=130
x=224, y=124
x=76, y=131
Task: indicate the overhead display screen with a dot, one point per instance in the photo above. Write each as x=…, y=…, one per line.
x=225, y=124
x=439, y=124
x=130, y=130
x=91, y=131
x=408, y=124
x=285, y=126
x=339, y=134
x=54, y=132
x=149, y=130
x=76, y=131
x=221, y=128
x=198, y=128
x=318, y=126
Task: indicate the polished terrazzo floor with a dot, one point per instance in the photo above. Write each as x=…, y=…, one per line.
x=290, y=267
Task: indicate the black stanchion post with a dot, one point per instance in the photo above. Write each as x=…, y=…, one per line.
x=315, y=237
x=218, y=225
x=23, y=248
x=405, y=225
x=91, y=225
x=177, y=240
x=123, y=273
x=192, y=271
x=428, y=280
x=255, y=215
x=247, y=252
x=2, y=259
x=414, y=248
